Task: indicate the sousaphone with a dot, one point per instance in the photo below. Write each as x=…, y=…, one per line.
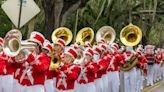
x=130, y=35
x=85, y=34
x=63, y=33
x=106, y=32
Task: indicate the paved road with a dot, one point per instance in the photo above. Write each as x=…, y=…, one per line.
x=159, y=89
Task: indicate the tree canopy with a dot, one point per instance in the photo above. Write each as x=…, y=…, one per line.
x=76, y=14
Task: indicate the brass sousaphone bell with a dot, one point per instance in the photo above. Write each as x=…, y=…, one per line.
x=65, y=34
x=106, y=32
x=130, y=35
x=85, y=34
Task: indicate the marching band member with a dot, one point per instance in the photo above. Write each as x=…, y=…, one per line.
x=113, y=71
x=104, y=53
x=68, y=73
x=79, y=50
x=149, y=54
x=33, y=70
x=121, y=73
x=59, y=47
x=2, y=65
x=162, y=51
x=50, y=83
x=98, y=81
x=140, y=67
x=85, y=81
x=158, y=58
x=129, y=76
x=8, y=66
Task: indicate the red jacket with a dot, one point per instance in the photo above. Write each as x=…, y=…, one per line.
x=10, y=64
x=115, y=60
x=34, y=74
x=158, y=57
x=66, y=77
x=149, y=57
x=2, y=66
x=87, y=74
x=102, y=67
x=142, y=61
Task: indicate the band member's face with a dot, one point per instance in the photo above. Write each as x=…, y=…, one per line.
x=58, y=49
x=45, y=51
x=88, y=57
x=67, y=59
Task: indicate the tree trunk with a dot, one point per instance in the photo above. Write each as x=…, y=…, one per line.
x=57, y=11
x=48, y=6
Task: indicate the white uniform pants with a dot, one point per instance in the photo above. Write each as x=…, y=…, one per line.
x=105, y=83
x=163, y=73
x=7, y=83
x=150, y=75
x=159, y=73
x=50, y=85
x=1, y=83
x=89, y=87
x=139, y=80
x=99, y=85
x=130, y=80
x=33, y=88
x=113, y=81
x=155, y=72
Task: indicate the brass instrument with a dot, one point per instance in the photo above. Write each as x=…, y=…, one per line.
x=106, y=32
x=55, y=62
x=13, y=46
x=85, y=34
x=130, y=35
x=129, y=65
x=63, y=33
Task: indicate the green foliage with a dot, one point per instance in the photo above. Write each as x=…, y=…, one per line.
x=115, y=13
x=5, y=23
x=98, y=13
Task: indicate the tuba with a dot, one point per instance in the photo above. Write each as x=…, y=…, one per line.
x=85, y=34
x=13, y=46
x=65, y=34
x=130, y=35
x=106, y=32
